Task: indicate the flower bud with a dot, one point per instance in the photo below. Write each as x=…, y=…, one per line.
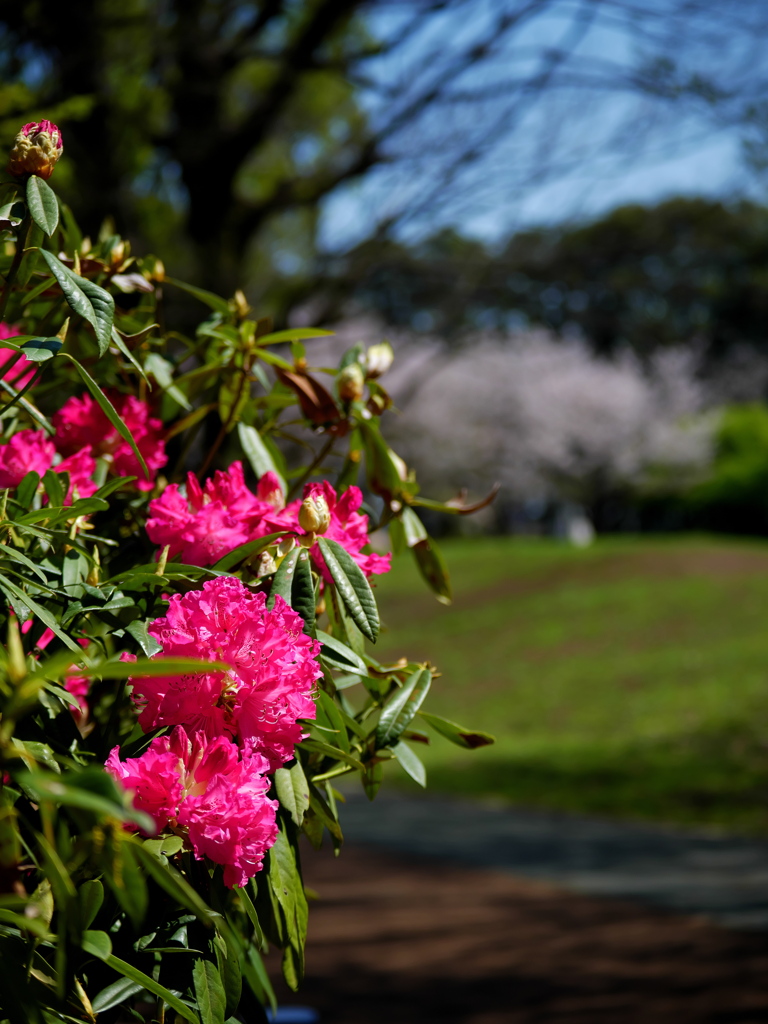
x=351, y=383
x=314, y=514
x=378, y=360
x=36, y=150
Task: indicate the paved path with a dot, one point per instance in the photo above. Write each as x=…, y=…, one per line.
x=690, y=871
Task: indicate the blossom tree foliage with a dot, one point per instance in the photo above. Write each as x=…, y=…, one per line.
x=549, y=419
x=187, y=668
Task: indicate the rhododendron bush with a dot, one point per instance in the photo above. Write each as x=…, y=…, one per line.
x=189, y=621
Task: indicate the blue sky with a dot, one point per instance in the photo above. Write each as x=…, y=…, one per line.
x=610, y=144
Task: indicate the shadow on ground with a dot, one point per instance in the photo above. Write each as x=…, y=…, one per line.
x=401, y=940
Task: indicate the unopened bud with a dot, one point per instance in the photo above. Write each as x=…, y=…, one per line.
x=378, y=359
x=314, y=514
x=351, y=383
x=239, y=305
x=36, y=150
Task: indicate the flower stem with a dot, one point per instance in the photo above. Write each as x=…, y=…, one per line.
x=21, y=241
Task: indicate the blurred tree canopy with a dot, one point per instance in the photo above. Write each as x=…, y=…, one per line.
x=644, y=277
x=403, y=115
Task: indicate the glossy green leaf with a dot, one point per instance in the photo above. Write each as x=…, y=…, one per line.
x=156, y=667
x=42, y=613
x=118, y=992
x=282, y=582
x=329, y=750
x=293, y=791
x=42, y=203
x=139, y=631
x=144, y=980
x=40, y=350
x=303, y=598
x=109, y=411
x=352, y=586
x=433, y=568
x=328, y=709
x=86, y=299
x=97, y=943
x=402, y=706
x=410, y=762
x=288, y=891
x=470, y=739
x=248, y=550
x=339, y=656
x=257, y=453
x=209, y=992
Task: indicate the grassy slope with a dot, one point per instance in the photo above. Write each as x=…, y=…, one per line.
x=630, y=678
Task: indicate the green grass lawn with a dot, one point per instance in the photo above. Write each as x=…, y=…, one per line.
x=630, y=678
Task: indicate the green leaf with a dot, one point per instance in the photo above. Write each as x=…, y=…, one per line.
x=328, y=750
x=470, y=739
x=303, y=598
x=109, y=411
x=293, y=791
x=86, y=299
x=209, y=992
x=139, y=631
x=352, y=586
x=91, y=896
x=129, y=971
x=292, y=334
x=39, y=350
x=144, y=667
x=411, y=763
x=248, y=550
x=282, y=582
x=74, y=790
x=42, y=613
x=402, y=706
x=328, y=708
x=413, y=528
x=42, y=203
x=119, y=991
x=433, y=568
x=174, y=884
x=210, y=299
x=257, y=453
x=97, y=943
x=288, y=890
x=339, y=656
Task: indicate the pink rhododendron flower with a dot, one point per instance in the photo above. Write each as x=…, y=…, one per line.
x=80, y=423
x=27, y=451
x=213, y=520
x=348, y=527
x=269, y=686
x=81, y=466
x=207, y=791
x=23, y=369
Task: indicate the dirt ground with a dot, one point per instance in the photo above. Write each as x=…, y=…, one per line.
x=394, y=940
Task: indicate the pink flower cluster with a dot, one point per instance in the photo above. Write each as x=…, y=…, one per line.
x=23, y=370
x=80, y=424
x=84, y=433
x=206, y=781
x=205, y=790
x=273, y=671
x=33, y=450
x=211, y=521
